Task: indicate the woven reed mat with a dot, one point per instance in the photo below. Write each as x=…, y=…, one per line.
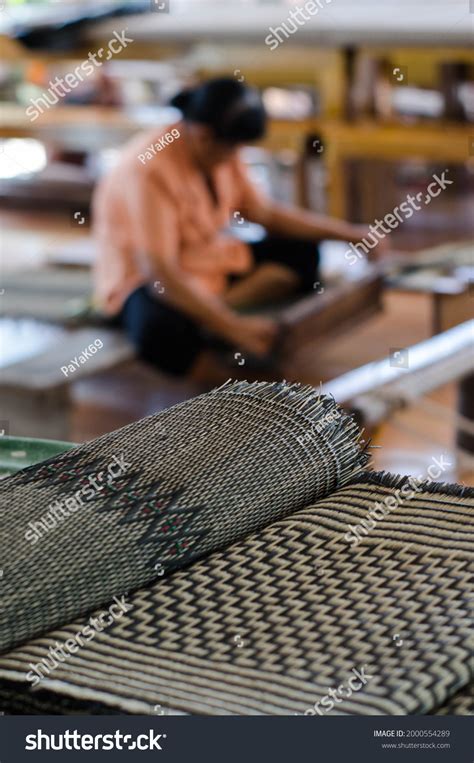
x=461, y=703
x=274, y=622
x=186, y=481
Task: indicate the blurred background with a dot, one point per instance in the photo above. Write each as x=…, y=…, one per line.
x=367, y=101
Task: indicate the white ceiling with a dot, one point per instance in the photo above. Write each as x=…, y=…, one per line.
x=437, y=22
x=339, y=22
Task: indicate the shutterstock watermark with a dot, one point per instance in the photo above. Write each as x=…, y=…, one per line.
x=78, y=360
x=61, y=509
x=153, y=148
x=393, y=219
x=342, y=692
x=380, y=509
x=297, y=17
x=316, y=428
x=63, y=85
x=76, y=740
x=62, y=651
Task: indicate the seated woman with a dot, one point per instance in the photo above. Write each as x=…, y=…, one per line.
x=167, y=268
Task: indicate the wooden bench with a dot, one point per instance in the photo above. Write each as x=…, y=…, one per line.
x=36, y=393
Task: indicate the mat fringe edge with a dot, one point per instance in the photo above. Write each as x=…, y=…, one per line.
x=397, y=481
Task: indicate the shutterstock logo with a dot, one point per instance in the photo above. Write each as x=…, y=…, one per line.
x=74, y=740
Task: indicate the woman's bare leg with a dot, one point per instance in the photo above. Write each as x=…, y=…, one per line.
x=268, y=283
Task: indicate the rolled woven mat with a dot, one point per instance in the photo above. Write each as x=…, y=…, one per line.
x=162, y=492
x=277, y=621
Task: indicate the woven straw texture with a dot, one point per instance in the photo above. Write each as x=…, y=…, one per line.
x=461, y=703
x=278, y=619
x=200, y=475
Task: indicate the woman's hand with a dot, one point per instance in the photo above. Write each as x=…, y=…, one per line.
x=254, y=334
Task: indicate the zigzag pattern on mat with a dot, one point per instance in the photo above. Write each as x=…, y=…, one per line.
x=199, y=476
x=461, y=703
x=273, y=622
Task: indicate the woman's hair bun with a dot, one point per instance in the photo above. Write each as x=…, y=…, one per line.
x=234, y=111
x=182, y=100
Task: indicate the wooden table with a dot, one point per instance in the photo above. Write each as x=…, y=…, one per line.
x=391, y=142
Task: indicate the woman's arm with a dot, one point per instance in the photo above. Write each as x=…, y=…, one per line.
x=300, y=223
x=254, y=334
x=292, y=221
